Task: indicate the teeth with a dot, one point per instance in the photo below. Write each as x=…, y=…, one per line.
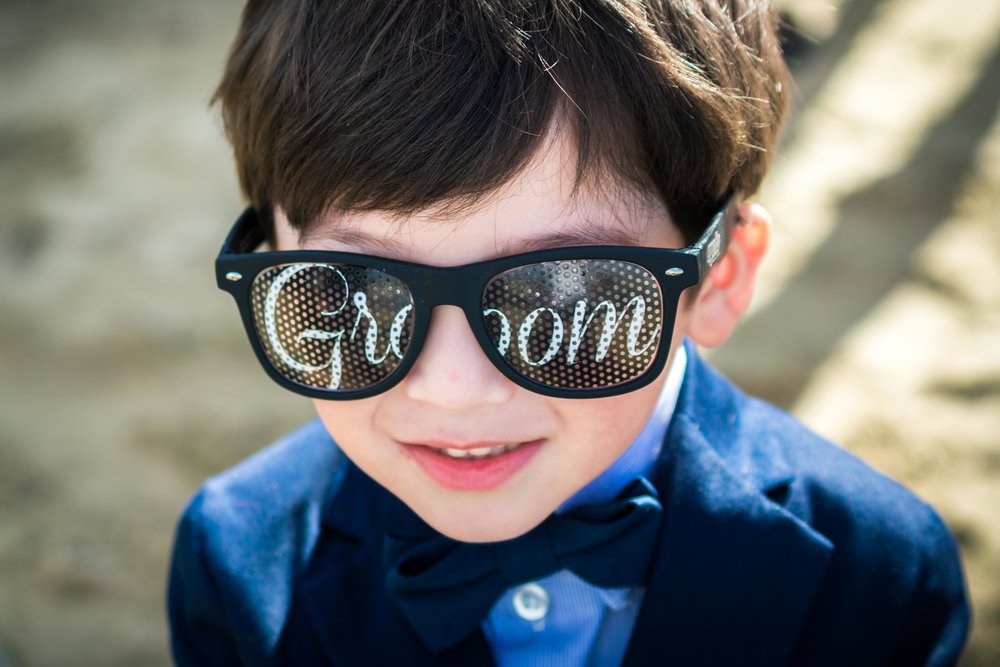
x=481, y=451
x=477, y=452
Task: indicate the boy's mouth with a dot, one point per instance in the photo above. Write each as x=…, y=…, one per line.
x=472, y=466
x=475, y=452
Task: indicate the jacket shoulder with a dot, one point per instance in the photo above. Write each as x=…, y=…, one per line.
x=895, y=565
x=836, y=492
x=245, y=536
x=290, y=476
x=820, y=482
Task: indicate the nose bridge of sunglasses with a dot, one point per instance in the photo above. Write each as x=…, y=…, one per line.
x=452, y=349
x=451, y=322
x=445, y=286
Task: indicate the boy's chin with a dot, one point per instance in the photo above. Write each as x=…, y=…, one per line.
x=481, y=533
x=465, y=526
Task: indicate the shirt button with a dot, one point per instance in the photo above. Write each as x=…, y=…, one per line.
x=531, y=602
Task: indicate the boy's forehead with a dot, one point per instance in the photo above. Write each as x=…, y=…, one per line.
x=542, y=207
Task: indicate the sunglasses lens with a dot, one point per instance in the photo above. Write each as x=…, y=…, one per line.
x=332, y=326
x=581, y=324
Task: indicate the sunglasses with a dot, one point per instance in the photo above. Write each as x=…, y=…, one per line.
x=578, y=322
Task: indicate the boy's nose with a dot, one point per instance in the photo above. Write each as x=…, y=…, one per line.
x=452, y=371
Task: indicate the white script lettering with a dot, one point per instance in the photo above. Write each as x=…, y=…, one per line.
x=335, y=360
x=526, y=332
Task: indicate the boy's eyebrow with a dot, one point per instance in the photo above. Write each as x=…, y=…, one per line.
x=371, y=244
x=589, y=234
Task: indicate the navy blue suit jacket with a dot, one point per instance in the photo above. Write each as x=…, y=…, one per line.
x=778, y=548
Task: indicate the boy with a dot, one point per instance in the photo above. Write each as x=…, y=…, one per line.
x=499, y=229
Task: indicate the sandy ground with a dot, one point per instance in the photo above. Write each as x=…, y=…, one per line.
x=126, y=379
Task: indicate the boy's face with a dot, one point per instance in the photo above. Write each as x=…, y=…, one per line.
x=454, y=397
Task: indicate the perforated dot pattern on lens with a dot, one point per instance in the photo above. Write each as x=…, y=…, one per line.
x=332, y=326
x=576, y=324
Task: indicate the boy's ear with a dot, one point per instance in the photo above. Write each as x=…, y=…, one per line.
x=727, y=289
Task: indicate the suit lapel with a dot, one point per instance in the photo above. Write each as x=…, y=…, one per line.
x=343, y=592
x=735, y=573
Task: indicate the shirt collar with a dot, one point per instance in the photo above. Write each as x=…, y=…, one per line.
x=638, y=459
x=614, y=598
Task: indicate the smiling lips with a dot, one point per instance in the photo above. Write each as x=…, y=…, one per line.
x=472, y=467
x=475, y=452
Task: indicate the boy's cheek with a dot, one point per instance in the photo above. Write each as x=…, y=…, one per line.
x=349, y=423
x=612, y=423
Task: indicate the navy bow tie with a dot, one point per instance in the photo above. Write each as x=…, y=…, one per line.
x=445, y=588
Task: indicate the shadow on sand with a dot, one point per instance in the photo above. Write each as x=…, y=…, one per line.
x=877, y=232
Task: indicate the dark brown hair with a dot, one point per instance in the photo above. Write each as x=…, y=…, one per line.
x=404, y=105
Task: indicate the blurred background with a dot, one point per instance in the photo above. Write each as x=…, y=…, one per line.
x=125, y=378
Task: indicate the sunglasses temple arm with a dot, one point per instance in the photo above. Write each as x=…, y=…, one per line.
x=245, y=236
x=712, y=245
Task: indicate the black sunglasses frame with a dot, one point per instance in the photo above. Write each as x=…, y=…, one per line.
x=237, y=265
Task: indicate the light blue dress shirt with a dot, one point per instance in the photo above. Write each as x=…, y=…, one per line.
x=561, y=620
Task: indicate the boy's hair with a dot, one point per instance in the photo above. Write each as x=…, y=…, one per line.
x=400, y=106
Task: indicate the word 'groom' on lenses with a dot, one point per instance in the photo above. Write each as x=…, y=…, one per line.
x=581, y=322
